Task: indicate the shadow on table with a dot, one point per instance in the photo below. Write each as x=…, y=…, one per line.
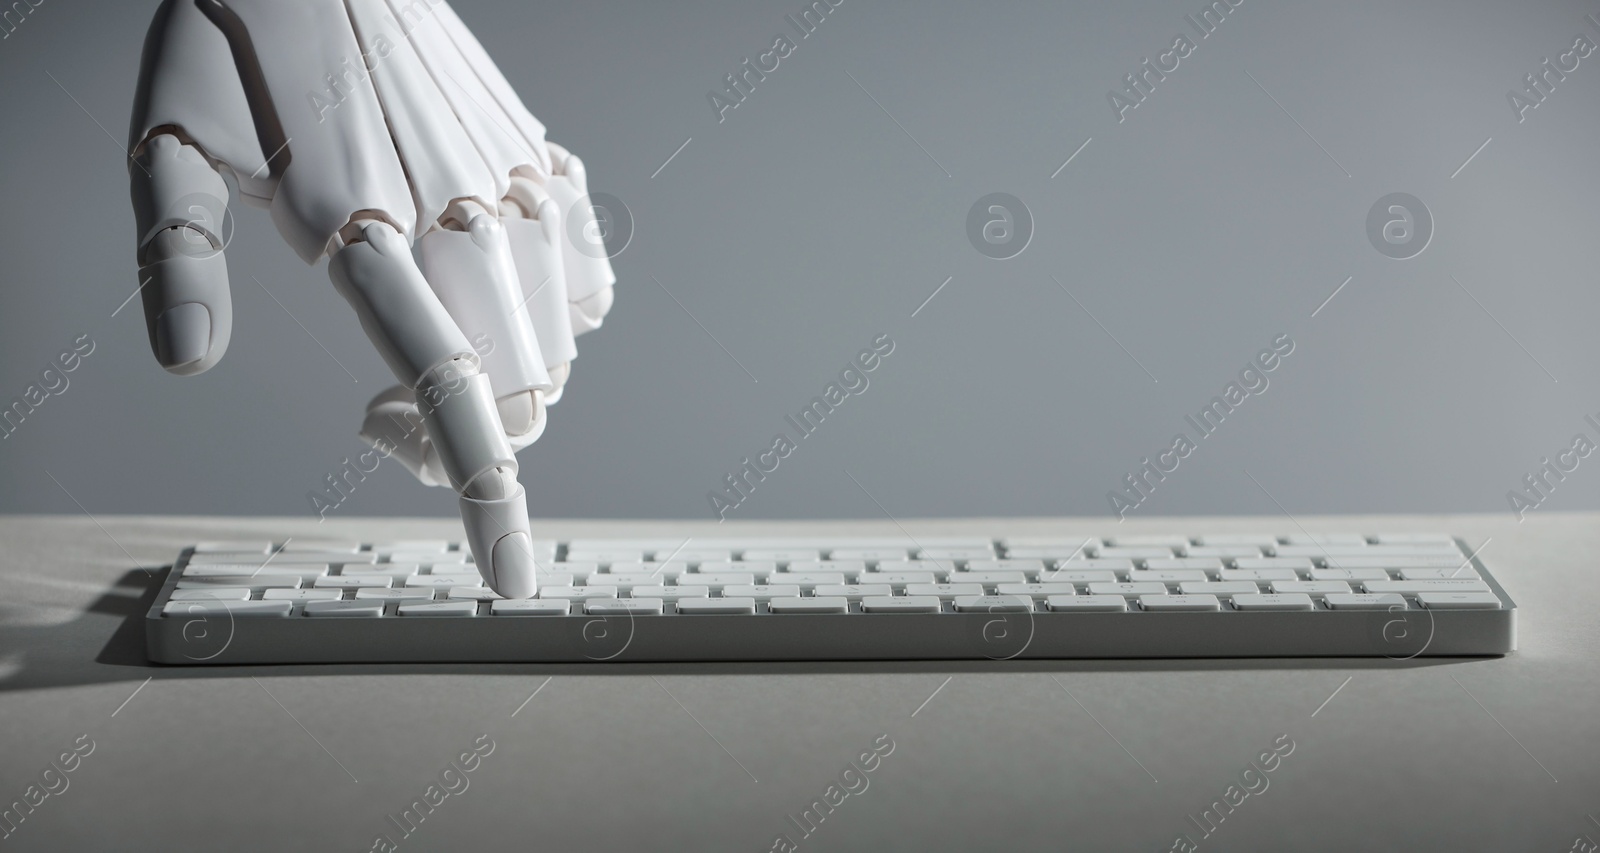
x=64, y=655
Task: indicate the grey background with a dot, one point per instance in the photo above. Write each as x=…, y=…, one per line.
x=808, y=223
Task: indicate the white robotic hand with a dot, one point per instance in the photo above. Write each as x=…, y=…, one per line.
x=369, y=128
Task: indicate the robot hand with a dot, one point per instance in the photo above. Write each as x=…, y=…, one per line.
x=369, y=128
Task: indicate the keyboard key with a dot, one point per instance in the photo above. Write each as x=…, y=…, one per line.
x=625, y=580
x=398, y=571
x=854, y=592
x=457, y=593
x=432, y=546
x=632, y=543
x=717, y=606
x=241, y=546
x=1287, y=601
x=1329, y=551
x=694, y=555
x=1086, y=603
x=351, y=581
x=1364, y=601
x=445, y=562
x=445, y=581
x=441, y=558
x=414, y=593
x=1096, y=564
x=988, y=577
x=1032, y=567
x=1418, y=562
x=304, y=573
x=1113, y=552
x=1128, y=589
x=1349, y=575
x=944, y=554
x=1032, y=589
x=227, y=608
x=883, y=555
x=1223, y=588
x=581, y=570
x=899, y=578
x=1301, y=563
x=302, y=594
x=1416, y=549
x=577, y=593
x=759, y=568
x=255, y=583
x=994, y=604
x=1225, y=551
x=658, y=569
x=623, y=606
x=1067, y=576
x=243, y=558
x=942, y=590
x=849, y=568
x=607, y=556
x=1179, y=602
x=1420, y=587
x=1183, y=563
x=439, y=608
x=1319, y=587
x=761, y=592
x=806, y=580
x=215, y=593
x=718, y=580
x=902, y=566
x=786, y=555
x=900, y=604
x=1063, y=552
x=1461, y=573
x=1459, y=600
x=672, y=593
x=543, y=550
x=1174, y=576
x=817, y=604
x=343, y=609
x=1434, y=548
x=292, y=558
x=1258, y=575
x=530, y=607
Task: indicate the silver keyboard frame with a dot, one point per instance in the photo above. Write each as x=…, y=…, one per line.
x=221, y=640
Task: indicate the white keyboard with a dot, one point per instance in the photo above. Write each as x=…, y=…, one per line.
x=836, y=599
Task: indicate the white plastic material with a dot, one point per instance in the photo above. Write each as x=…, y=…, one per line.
x=399, y=311
x=248, y=76
x=498, y=530
x=536, y=251
x=188, y=309
x=365, y=127
x=473, y=274
x=394, y=425
x=173, y=186
x=588, y=314
x=458, y=409
x=588, y=272
x=437, y=155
